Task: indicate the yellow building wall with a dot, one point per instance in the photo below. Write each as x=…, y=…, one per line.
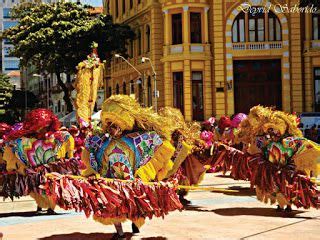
x=215, y=61
x=186, y=60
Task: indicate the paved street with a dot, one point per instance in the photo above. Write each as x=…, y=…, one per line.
x=209, y=216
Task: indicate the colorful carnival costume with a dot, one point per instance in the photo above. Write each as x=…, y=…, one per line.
x=89, y=79
x=4, y=130
x=133, y=151
x=79, y=139
x=33, y=151
x=190, y=147
x=279, y=161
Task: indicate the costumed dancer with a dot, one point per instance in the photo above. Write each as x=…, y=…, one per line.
x=234, y=130
x=34, y=150
x=133, y=150
x=89, y=79
x=4, y=129
x=280, y=162
x=227, y=130
x=79, y=139
x=222, y=130
x=208, y=128
x=208, y=131
x=193, y=161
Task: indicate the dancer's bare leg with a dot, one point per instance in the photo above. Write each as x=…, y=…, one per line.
x=135, y=229
x=51, y=211
x=120, y=234
x=279, y=209
x=288, y=209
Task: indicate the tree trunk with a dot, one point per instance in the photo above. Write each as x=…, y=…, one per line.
x=66, y=96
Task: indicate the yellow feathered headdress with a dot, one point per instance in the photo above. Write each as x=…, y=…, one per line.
x=260, y=119
x=127, y=113
x=191, y=131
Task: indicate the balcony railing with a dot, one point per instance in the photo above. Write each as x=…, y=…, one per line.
x=176, y=49
x=315, y=43
x=190, y=47
x=196, y=48
x=256, y=45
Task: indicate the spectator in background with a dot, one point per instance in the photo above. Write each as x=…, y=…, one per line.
x=307, y=133
x=314, y=133
x=318, y=134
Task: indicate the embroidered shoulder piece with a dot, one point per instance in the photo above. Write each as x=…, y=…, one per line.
x=96, y=146
x=146, y=144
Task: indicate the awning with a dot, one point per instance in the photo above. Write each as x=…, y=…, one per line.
x=14, y=74
x=69, y=119
x=96, y=116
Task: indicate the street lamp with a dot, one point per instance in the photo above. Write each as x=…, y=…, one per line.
x=140, y=74
x=144, y=59
x=119, y=56
x=47, y=86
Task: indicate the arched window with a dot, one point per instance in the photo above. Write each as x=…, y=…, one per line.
x=123, y=6
x=249, y=27
x=124, y=88
x=149, y=91
x=131, y=49
x=131, y=87
x=238, y=29
x=59, y=106
x=256, y=27
x=117, y=89
x=139, y=42
x=148, y=38
x=141, y=94
x=274, y=28
x=108, y=7
x=316, y=26
x=131, y=4
x=110, y=91
x=117, y=8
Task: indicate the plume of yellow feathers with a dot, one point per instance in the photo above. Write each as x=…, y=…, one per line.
x=89, y=79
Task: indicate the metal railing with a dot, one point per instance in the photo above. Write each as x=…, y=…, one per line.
x=256, y=45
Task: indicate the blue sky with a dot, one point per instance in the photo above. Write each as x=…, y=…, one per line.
x=95, y=3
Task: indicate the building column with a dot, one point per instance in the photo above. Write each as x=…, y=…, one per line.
x=308, y=69
x=308, y=27
x=186, y=28
x=207, y=90
x=296, y=62
x=206, y=29
x=166, y=28
x=187, y=90
x=168, y=86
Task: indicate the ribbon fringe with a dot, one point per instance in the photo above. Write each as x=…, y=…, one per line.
x=113, y=199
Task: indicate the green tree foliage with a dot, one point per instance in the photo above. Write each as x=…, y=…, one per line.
x=5, y=91
x=5, y=83
x=56, y=37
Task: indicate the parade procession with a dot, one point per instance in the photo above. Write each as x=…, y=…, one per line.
x=170, y=143
x=139, y=164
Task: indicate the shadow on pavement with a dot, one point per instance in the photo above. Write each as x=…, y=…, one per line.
x=27, y=214
x=83, y=236
x=265, y=212
x=93, y=236
x=227, y=175
x=238, y=211
x=154, y=238
x=241, y=191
